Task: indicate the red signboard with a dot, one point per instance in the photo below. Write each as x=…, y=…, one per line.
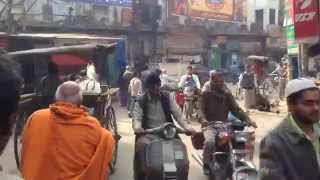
x=306, y=21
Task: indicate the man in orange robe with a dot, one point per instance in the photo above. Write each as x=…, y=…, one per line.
x=64, y=143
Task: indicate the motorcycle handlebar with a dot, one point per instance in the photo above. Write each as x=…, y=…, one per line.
x=160, y=129
x=221, y=124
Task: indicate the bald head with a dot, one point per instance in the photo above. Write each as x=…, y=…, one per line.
x=69, y=92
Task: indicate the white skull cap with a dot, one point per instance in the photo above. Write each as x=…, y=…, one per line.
x=297, y=85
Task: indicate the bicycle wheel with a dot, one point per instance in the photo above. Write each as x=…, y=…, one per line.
x=111, y=124
x=21, y=121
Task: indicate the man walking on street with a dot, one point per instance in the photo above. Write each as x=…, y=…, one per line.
x=216, y=103
x=135, y=89
x=64, y=142
x=292, y=150
x=248, y=83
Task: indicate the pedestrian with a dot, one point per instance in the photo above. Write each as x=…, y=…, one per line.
x=10, y=87
x=216, y=103
x=292, y=150
x=135, y=89
x=124, y=81
x=283, y=79
x=48, y=85
x=247, y=83
x=64, y=142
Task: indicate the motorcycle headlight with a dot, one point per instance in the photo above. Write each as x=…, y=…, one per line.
x=223, y=138
x=169, y=132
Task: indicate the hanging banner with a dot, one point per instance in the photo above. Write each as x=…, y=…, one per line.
x=306, y=21
x=209, y=9
x=292, y=47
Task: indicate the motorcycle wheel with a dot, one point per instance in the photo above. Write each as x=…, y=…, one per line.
x=220, y=174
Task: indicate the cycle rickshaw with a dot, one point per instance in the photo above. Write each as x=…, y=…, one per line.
x=30, y=101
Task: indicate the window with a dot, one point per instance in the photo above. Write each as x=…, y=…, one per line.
x=259, y=18
x=272, y=16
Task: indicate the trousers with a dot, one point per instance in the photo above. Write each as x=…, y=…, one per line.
x=209, y=145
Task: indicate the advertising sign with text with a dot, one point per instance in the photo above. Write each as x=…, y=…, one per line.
x=306, y=21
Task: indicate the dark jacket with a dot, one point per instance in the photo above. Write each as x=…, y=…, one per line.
x=285, y=155
x=215, y=106
x=165, y=102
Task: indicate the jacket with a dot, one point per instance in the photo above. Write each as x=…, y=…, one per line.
x=285, y=155
x=215, y=106
x=165, y=102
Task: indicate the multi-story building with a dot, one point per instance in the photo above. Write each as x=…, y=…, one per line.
x=266, y=17
x=218, y=33
x=102, y=18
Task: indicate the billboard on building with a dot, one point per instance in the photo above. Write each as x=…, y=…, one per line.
x=228, y=10
x=306, y=21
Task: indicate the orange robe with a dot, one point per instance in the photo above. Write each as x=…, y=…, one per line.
x=64, y=143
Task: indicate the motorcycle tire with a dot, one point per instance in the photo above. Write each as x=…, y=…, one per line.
x=218, y=173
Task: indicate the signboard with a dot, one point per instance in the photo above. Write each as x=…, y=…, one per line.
x=124, y=3
x=288, y=18
x=306, y=21
x=209, y=9
x=292, y=47
x=184, y=41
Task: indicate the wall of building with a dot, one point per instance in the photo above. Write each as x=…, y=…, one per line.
x=264, y=5
x=48, y=12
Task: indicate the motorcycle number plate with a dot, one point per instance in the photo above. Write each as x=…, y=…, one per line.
x=178, y=155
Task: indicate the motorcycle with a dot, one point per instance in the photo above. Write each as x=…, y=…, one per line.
x=166, y=156
x=233, y=156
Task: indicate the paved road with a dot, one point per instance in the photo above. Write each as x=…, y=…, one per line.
x=265, y=121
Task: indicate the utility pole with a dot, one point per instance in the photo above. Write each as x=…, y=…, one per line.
x=134, y=30
x=10, y=25
x=155, y=26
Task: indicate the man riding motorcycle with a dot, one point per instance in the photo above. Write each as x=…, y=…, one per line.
x=189, y=79
x=152, y=110
x=216, y=103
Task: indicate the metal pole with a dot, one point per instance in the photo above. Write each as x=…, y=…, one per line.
x=10, y=16
x=155, y=34
x=134, y=33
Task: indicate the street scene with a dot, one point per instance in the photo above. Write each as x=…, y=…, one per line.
x=265, y=121
x=159, y=90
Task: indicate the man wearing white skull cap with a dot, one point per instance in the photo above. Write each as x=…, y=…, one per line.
x=292, y=150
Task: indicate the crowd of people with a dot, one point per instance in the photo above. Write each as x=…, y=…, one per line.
x=63, y=141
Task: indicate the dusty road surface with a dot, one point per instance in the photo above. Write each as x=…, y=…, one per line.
x=265, y=121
